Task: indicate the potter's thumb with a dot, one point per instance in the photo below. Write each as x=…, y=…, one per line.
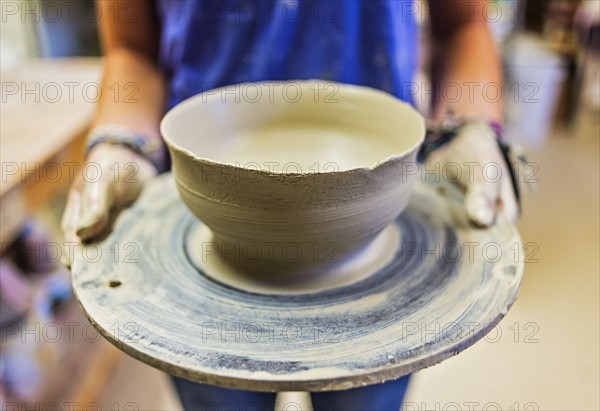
x=480, y=203
x=97, y=199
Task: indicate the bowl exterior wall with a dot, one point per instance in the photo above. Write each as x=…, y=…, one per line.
x=270, y=223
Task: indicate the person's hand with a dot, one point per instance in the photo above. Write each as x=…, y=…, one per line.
x=112, y=178
x=474, y=161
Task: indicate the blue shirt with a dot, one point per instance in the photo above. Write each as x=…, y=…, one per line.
x=206, y=44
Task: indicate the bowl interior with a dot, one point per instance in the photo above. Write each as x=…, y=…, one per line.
x=294, y=127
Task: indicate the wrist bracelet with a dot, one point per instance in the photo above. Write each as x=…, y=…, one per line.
x=151, y=149
x=439, y=135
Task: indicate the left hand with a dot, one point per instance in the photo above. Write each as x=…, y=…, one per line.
x=479, y=167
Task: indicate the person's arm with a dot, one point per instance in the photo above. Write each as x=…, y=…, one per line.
x=132, y=101
x=132, y=86
x=467, y=82
x=464, y=56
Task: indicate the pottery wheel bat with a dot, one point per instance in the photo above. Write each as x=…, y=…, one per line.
x=428, y=287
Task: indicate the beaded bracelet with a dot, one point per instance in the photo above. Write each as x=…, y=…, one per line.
x=150, y=149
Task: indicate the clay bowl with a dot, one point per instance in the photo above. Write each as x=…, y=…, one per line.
x=293, y=177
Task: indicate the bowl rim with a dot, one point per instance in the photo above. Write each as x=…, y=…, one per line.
x=168, y=118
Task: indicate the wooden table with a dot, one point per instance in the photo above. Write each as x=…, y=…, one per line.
x=45, y=110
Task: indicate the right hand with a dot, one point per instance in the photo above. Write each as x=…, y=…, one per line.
x=91, y=200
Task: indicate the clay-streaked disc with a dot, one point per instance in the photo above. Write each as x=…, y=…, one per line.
x=446, y=285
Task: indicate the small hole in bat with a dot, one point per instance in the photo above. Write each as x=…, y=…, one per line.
x=114, y=283
x=441, y=191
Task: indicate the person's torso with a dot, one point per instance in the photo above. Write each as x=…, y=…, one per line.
x=208, y=44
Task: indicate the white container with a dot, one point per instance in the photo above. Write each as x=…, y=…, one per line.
x=535, y=77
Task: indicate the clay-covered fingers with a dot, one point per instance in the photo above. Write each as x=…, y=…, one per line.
x=481, y=201
x=490, y=191
x=69, y=225
x=480, y=168
x=96, y=202
x=87, y=210
x=490, y=195
x=487, y=196
x=119, y=181
x=70, y=215
x=509, y=205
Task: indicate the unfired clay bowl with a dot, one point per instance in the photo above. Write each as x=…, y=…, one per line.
x=293, y=177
